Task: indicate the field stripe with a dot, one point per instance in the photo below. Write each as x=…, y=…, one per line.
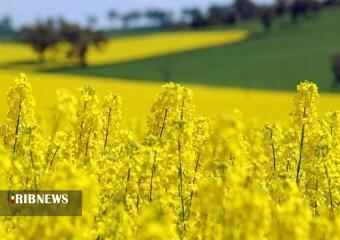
x=139, y=95
x=140, y=47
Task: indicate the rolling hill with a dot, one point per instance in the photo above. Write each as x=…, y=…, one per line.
x=277, y=59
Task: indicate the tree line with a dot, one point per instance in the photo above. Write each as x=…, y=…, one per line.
x=44, y=35
x=222, y=14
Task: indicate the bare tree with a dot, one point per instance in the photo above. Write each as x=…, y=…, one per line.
x=196, y=17
x=112, y=15
x=80, y=40
x=41, y=36
x=266, y=17
x=161, y=18
x=129, y=18
x=245, y=8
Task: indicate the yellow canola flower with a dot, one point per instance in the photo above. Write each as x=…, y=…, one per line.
x=16, y=53
x=140, y=47
x=184, y=177
x=138, y=96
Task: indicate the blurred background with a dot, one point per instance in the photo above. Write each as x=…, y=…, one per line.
x=237, y=53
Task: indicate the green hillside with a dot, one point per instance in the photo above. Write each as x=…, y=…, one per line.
x=277, y=59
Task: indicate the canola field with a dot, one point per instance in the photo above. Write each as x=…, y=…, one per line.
x=138, y=95
x=169, y=162
x=181, y=176
x=136, y=47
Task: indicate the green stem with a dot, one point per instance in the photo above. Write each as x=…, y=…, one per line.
x=273, y=150
x=88, y=139
x=180, y=171
x=298, y=171
x=301, y=147
x=138, y=197
x=54, y=155
x=82, y=123
x=126, y=186
x=107, y=130
x=17, y=126
x=153, y=170
x=163, y=124
x=329, y=189
x=193, y=182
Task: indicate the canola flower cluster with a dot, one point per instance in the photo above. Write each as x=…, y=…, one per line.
x=185, y=176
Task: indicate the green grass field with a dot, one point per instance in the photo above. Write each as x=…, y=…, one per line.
x=277, y=59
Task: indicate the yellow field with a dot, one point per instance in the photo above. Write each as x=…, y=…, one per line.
x=133, y=48
x=15, y=52
x=169, y=173
x=138, y=96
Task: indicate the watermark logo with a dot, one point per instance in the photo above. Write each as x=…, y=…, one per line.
x=39, y=198
x=41, y=203
x=12, y=198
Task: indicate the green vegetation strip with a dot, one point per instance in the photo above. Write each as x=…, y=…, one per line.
x=277, y=59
